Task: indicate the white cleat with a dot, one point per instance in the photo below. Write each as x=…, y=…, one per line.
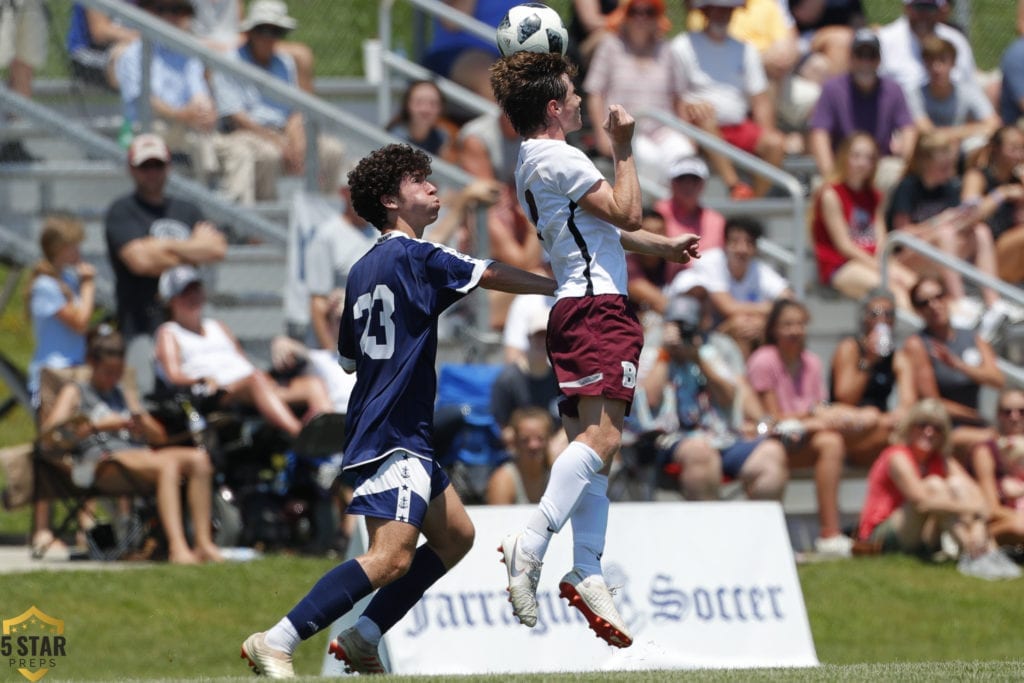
x=591, y=596
x=523, y=575
x=265, y=660
x=360, y=655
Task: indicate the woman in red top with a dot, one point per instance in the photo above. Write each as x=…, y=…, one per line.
x=849, y=227
x=917, y=490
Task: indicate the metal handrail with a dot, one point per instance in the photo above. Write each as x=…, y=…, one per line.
x=751, y=163
x=391, y=60
x=1015, y=294
x=315, y=110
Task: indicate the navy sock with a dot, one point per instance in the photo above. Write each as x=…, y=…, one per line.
x=392, y=602
x=332, y=596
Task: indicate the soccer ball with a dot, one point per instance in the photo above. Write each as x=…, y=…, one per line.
x=531, y=27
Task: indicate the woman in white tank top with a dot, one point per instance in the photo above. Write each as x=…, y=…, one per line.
x=191, y=349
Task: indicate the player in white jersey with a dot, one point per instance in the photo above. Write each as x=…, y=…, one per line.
x=594, y=339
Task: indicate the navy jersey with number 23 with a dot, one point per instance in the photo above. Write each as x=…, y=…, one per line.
x=388, y=335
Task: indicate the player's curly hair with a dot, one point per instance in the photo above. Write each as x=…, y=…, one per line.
x=380, y=173
x=525, y=82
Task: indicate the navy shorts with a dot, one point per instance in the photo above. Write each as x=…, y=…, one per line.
x=733, y=457
x=594, y=345
x=399, y=487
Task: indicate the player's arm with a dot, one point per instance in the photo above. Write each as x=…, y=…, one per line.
x=621, y=204
x=506, y=278
x=680, y=248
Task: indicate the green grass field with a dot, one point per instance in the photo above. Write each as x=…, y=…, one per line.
x=872, y=619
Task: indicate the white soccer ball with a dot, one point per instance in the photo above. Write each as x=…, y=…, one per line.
x=531, y=27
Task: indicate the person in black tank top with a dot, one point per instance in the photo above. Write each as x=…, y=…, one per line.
x=951, y=364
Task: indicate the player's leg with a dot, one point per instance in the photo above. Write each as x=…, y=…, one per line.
x=393, y=495
x=449, y=533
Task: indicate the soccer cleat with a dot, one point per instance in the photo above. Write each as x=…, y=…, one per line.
x=359, y=655
x=591, y=596
x=265, y=660
x=523, y=574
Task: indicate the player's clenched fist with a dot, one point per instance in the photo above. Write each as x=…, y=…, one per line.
x=619, y=125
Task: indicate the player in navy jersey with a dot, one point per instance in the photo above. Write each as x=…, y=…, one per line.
x=388, y=336
x=594, y=338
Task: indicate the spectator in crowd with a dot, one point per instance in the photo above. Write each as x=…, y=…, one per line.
x=998, y=466
x=788, y=379
x=421, y=122
x=529, y=382
x=180, y=101
x=24, y=38
x=148, y=232
x=683, y=211
x=867, y=369
x=119, y=428
x=290, y=357
x=741, y=287
x=961, y=110
x=848, y=225
x=826, y=32
x=928, y=204
x=1003, y=170
x=515, y=338
x=94, y=43
x=588, y=26
x=725, y=92
x=61, y=299
x=262, y=136
x=902, y=40
x=648, y=275
x=460, y=56
x=634, y=64
x=1011, y=93
x=193, y=349
x=697, y=391
x=863, y=100
x=917, y=491
x=951, y=364
x=219, y=24
x=521, y=479
x=488, y=148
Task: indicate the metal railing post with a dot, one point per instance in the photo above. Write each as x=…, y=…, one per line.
x=144, y=110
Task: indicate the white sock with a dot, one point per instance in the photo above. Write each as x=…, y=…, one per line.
x=368, y=629
x=570, y=477
x=283, y=636
x=590, y=525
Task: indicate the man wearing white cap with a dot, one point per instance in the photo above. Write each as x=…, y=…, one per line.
x=147, y=233
x=682, y=210
x=262, y=135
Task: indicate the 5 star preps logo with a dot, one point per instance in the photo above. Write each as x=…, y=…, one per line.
x=32, y=642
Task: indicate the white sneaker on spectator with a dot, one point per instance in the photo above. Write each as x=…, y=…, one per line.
x=265, y=660
x=360, y=655
x=839, y=545
x=590, y=595
x=523, y=575
x=1006, y=567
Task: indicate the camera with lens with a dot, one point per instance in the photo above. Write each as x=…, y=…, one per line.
x=688, y=332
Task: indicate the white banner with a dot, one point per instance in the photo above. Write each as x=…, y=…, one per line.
x=700, y=584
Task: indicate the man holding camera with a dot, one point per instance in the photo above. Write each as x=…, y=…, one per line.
x=693, y=388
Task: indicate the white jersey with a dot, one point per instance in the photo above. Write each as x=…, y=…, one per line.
x=585, y=253
x=211, y=354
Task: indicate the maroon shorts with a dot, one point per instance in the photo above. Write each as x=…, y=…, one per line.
x=594, y=344
x=743, y=135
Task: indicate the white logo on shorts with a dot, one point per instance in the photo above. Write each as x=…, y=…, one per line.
x=628, y=374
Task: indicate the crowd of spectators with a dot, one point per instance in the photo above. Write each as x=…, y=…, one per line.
x=903, y=134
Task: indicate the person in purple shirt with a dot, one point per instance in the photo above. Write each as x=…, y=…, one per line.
x=863, y=101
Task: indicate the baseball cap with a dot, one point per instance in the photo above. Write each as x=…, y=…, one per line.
x=685, y=310
x=174, y=281
x=268, y=12
x=865, y=38
x=688, y=166
x=148, y=147
x=697, y=4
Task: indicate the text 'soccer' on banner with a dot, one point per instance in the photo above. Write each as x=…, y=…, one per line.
x=33, y=643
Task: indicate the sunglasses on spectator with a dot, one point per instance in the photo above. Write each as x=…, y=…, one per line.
x=924, y=424
x=152, y=165
x=887, y=313
x=1011, y=411
x=269, y=30
x=921, y=303
x=867, y=54
x=642, y=12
